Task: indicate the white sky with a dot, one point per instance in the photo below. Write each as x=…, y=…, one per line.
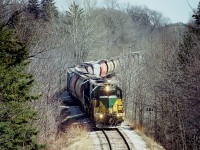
x=175, y=10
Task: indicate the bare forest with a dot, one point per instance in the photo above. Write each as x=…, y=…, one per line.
x=159, y=63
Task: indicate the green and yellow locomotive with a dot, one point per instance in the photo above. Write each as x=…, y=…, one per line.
x=100, y=97
x=106, y=99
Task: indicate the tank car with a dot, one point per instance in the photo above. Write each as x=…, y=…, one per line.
x=101, y=68
x=100, y=97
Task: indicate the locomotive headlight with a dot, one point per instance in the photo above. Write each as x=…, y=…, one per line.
x=118, y=115
x=107, y=88
x=101, y=116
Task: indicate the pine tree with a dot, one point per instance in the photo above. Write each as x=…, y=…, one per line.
x=48, y=10
x=196, y=16
x=16, y=117
x=76, y=25
x=34, y=7
x=190, y=39
x=74, y=14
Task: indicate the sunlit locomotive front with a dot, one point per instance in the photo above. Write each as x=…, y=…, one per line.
x=107, y=104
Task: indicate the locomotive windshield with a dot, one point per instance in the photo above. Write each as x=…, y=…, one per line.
x=107, y=93
x=107, y=90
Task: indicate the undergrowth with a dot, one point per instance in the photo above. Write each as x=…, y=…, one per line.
x=151, y=144
x=74, y=137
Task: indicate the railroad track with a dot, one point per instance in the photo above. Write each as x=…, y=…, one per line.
x=113, y=139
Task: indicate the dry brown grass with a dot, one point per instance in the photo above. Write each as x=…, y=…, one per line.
x=138, y=127
x=151, y=144
x=75, y=137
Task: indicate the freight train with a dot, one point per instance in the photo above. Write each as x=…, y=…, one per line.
x=93, y=84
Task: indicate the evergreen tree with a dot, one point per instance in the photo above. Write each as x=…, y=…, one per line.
x=196, y=16
x=16, y=117
x=190, y=39
x=74, y=14
x=48, y=10
x=34, y=7
x=76, y=25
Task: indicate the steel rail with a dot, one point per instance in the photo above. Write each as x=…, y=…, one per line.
x=123, y=138
x=107, y=138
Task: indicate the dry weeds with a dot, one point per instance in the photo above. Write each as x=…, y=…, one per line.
x=151, y=144
x=75, y=137
x=138, y=126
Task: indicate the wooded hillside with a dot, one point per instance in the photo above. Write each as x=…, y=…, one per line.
x=38, y=43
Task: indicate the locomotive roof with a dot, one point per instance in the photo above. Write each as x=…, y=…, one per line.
x=99, y=81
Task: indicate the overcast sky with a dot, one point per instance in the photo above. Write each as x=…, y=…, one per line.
x=175, y=10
